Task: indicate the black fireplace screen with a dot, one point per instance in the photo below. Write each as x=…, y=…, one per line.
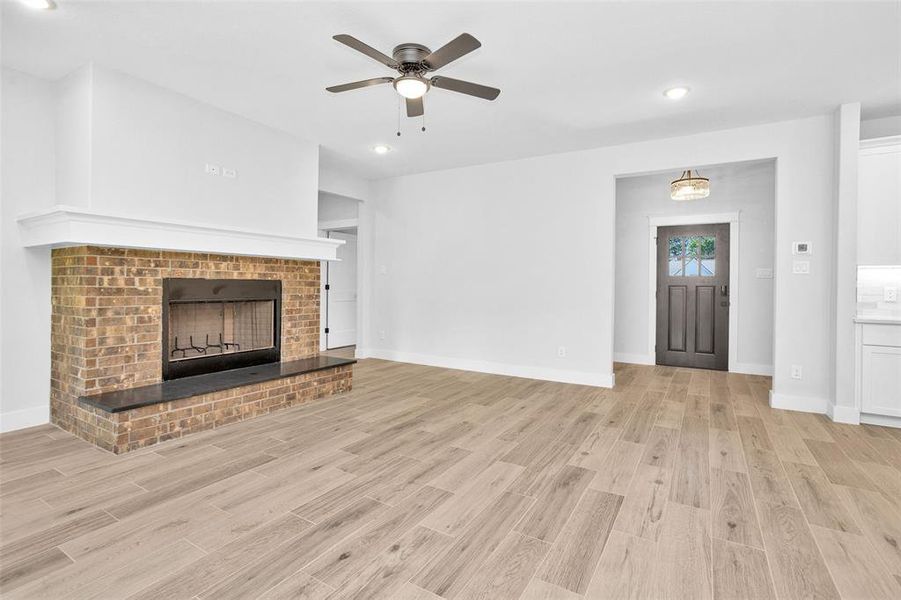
x=212, y=325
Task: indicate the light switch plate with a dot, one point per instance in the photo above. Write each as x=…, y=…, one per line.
x=801, y=267
x=764, y=273
x=889, y=294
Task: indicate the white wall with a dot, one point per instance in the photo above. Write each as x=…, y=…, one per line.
x=746, y=187
x=333, y=207
x=150, y=145
x=495, y=266
x=882, y=127
x=28, y=184
x=340, y=179
x=113, y=143
x=74, y=101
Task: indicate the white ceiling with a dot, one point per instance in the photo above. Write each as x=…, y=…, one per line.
x=573, y=74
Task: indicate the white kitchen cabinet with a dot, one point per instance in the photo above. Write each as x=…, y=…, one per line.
x=879, y=202
x=879, y=371
x=881, y=379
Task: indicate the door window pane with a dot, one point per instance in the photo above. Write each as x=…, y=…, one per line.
x=691, y=265
x=676, y=254
x=707, y=255
x=693, y=256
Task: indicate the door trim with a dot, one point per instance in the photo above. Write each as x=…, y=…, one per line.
x=734, y=220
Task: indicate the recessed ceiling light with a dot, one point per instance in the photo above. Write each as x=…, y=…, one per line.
x=39, y=4
x=676, y=93
x=381, y=149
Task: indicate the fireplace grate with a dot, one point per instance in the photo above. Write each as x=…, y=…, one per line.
x=213, y=325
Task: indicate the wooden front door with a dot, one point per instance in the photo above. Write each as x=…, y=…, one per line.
x=693, y=296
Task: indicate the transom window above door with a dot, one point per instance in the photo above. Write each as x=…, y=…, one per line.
x=692, y=256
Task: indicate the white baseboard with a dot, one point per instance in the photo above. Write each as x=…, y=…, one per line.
x=751, y=369
x=799, y=403
x=27, y=417
x=883, y=420
x=634, y=359
x=844, y=414
x=650, y=359
x=560, y=375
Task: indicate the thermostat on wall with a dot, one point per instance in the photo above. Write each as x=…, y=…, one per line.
x=800, y=247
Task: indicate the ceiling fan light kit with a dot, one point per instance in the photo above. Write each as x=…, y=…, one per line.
x=411, y=86
x=689, y=187
x=413, y=62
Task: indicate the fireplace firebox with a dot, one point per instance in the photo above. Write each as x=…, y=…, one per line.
x=212, y=325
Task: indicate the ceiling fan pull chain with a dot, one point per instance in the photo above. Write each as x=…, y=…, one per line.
x=398, y=116
x=423, y=121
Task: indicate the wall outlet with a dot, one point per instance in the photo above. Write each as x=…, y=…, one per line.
x=211, y=169
x=230, y=173
x=797, y=372
x=381, y=334
x=801, y=267
x=561, y=351
x=890, y=294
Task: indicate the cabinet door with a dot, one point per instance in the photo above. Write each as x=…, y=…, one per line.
x=879, y=206
x=881, y=380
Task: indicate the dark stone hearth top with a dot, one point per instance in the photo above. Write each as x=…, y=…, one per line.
x=198, y=385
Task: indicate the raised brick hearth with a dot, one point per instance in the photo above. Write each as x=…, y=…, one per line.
x=107, y=335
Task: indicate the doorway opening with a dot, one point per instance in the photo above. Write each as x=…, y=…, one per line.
x=341, y=281
x=339, y=304
x=694, y=283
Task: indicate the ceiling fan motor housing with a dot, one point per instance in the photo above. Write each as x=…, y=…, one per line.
x=410, y=56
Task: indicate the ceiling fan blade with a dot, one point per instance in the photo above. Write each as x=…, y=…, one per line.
x=359, y=84
x=461, y=45
x=349, y=40
x=466, y=87
x=415, y=107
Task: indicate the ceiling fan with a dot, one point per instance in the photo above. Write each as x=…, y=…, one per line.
x=414, y=62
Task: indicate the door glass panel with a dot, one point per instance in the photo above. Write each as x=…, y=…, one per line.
x=694, y=256
x=707, y=253
x=691, y=265
x=676, y=254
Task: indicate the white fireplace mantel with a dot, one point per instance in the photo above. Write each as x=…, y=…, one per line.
x=64, y=226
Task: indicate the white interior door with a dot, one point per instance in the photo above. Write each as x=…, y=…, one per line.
x=341, y=294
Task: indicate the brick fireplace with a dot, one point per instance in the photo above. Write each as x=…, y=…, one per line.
x=107, y=336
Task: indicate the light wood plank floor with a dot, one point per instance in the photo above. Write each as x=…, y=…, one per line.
x=428, y=483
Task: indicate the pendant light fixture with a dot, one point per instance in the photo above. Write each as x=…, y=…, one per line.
x=689, y=187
